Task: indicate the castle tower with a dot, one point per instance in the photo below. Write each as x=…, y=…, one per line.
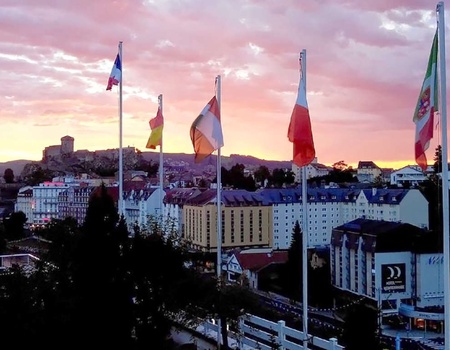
x=67, y=143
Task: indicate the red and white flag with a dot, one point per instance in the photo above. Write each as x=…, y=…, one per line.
x=206, y=131
x=300, y=132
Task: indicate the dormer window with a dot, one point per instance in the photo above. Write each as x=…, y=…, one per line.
x=394, y=199
x=381, y=198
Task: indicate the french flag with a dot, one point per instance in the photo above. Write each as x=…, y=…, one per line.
x=116, y=74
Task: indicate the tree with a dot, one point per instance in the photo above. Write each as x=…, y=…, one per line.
x=8, y=176
x=203, y=183
x=261, y=175
x=236, y=178
x=38, y=176
x=14, y=226
x=357, y=334
x=158, y=271
x=18, y=316
x=103, y=306
x=227, y=302
x=149, y=167
x=340, y=165
x=293, y=272
x=437, y=166
x=378, y=182
x=289, y=177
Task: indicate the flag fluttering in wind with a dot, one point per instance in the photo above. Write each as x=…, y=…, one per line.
x=206, y=131
x=116, y=74
x=300, y=132
x=156, y=125
x=427, y=105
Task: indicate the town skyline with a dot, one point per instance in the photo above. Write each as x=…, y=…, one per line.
x=365, y=66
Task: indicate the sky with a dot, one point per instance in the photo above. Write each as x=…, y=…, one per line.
x=365, y=64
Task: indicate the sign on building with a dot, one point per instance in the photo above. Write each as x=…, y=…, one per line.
x=393, y=278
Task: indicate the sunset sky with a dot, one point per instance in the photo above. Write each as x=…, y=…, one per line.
x=366, y=61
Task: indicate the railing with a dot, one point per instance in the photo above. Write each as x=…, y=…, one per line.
x=258, y=333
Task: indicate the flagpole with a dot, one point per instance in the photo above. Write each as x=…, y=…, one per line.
x=120, y=204
x=161, y=163
x=219, y=212
x=445, y=186
x=305, y=229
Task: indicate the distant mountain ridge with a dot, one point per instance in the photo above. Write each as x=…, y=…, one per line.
x=227, y=162
x=16, y=166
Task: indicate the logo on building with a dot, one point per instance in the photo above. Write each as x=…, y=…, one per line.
x=393, y=278
x=433, y=260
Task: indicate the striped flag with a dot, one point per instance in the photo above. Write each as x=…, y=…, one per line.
x=116, y=73
x=156, y=125
x=300, y=132
x=206, y=131
x=427, y=105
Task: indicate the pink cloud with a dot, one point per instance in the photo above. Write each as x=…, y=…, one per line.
x=365, y=66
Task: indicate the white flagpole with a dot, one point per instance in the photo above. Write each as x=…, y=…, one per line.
x=219, y=212
x=445, y=196
x=304, y=229
x=120, y=204
x=161, y=163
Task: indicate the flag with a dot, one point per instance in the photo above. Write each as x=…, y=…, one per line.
x=116, y=74
x=299, y=132
x=427, y=105
x=206, y=131
x=156, y=125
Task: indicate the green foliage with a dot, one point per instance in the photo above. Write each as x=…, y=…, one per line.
x=101, y=277
x=14, y=226
x=236, y=178
x=2, y=238
x=360, y=328
x=437, y=166
x=281, y=178
x=226, y=302
x=432, y=191
x=262, y=174
x=16, y=306
x=149, y=167
x=293, y=269
x=8, y=175
x=340, y=166
x=38, y=176
x=99, y=286
x=341, y=173
x=106, y=171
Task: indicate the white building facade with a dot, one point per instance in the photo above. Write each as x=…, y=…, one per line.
x=45, y=198
x=328, y=208
x=314, y=169
x=25, y=202
x=378, y=260
x=411, y=175
x=142, y=204
x=173, y=205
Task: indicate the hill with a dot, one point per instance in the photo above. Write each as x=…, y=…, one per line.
x=16, y=166
x=227, y=161
x=249, y=162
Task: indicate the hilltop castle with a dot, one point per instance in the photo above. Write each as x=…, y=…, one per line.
x=66, y=150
